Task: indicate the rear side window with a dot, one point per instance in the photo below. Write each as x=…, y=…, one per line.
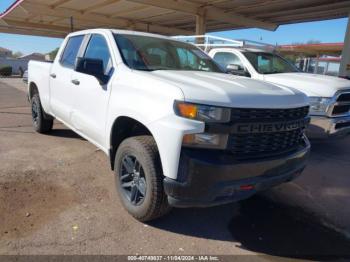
x=71, y=51
x=98, y=49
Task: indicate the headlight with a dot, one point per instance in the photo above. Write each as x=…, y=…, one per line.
x=205, y=140
x=319, y=105
x=210, y=114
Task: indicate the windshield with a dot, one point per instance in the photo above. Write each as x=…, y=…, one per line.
x=153, y=53
x=267, y=63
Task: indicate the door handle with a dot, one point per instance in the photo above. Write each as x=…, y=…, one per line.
x=53, y=75
x=76, y=81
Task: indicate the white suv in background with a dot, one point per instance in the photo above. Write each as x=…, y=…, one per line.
x=329, y=96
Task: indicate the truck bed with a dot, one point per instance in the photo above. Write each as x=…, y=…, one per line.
x=39, y=73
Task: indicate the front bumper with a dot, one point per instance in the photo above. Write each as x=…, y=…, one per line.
x=328, y=127
x=208, y=178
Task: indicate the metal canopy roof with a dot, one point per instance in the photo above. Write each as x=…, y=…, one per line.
x=169, y=17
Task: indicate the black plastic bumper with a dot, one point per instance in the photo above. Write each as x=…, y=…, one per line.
x=208, y=178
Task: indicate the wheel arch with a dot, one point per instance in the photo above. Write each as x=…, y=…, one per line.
x=32, y=90
x=124, y=127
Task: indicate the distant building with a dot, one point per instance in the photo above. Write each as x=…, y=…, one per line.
x=319, y=58
x=5, y=52
x=20, y=64
x=33, y=56
x=322, y=65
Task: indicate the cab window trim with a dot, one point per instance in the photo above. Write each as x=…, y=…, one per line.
x=85, y=45
x=64, y=49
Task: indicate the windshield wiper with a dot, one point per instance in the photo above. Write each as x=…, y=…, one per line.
x=161, y=68
x=144, y=69
x=273, y=72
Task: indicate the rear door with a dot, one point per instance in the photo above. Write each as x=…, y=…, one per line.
x=91, y=101
x=62, y=97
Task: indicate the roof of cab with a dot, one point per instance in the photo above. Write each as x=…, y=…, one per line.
x=117, y=31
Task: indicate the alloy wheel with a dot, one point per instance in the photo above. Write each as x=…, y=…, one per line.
x=133, y=180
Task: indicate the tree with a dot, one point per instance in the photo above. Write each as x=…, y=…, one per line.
x=5, y=70
x=17, y=54
x=313, y=42
x=53, y=54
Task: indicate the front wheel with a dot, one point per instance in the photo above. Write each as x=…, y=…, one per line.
x=139, y=178
x=41, y=122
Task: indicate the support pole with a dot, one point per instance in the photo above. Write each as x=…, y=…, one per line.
x=316, y=63
x=344, y=70
x=200, y=26
x=71, y=24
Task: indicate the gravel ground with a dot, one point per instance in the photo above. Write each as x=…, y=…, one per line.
x=57, y=196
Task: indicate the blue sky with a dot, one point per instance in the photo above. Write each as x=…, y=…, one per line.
x=4, y=4
x=324, y=31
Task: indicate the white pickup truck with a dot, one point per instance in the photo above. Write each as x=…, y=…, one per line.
x=178, y=131
x=329, y=96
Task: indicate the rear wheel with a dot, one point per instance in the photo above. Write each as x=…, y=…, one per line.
x=42, y=123
x=139, y=178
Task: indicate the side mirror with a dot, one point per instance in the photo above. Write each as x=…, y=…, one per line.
x=237, y=70
x=92, y=67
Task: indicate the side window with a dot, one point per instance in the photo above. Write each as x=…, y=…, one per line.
x=225, y=58
x=71, y=50
x=97, y=48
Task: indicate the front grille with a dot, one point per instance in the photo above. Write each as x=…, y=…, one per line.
x=261, y=115
x=344, y=97
x=342, y=125
x=266, y=144
x=341, y=109
x=342, y=106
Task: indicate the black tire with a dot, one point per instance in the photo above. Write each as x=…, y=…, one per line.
x=42, y=122
x=153, y=203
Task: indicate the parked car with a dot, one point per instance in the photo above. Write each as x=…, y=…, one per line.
x=329, y=96
x=178, y=130
x=25, y=77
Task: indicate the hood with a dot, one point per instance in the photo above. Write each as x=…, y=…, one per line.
x=230, y=91
x=310, y=84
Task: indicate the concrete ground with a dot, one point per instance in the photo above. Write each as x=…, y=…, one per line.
x=57, y=196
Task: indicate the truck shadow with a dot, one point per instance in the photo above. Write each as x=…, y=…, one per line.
x=265, y=226
x=334, y=149
x=65, y=133
x=261, y=225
